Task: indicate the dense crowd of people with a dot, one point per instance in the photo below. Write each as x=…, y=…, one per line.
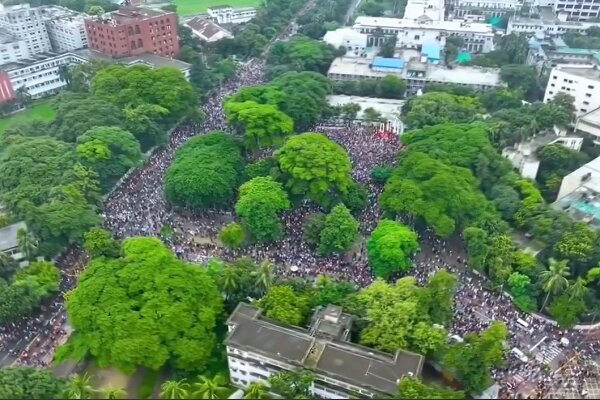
x=138, y=208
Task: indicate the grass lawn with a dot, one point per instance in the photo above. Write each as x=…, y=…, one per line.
x=41, y=110
x=191, y=7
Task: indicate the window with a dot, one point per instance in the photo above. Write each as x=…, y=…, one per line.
x=583, y=110
x=130, y=30
x=590, y=87
x=587, y=103
x=588, y=95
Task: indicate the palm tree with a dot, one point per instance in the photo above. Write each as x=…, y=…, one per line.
x=554, y=279
x=207, y=388
x=114, y=393
x=231, y=281
x=264, y=277
x=578, y=289
x=64, y=73
x=27, y=243
x=257, y=390
x=79, y=387
x=22, y=96
x=174, y=389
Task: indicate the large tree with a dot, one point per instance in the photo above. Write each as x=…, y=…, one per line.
x=339, y=232
x=435, y=108
x=146, y=308
x=315, y=166
x=282, y=304
x=30, y=383
x=414, y=388
x=205, y=172
x=263, y=124
x=261, y=200
x=110, y=151
x=390, y=247
x=292, y=384
x=133, y=86
x=302, y=54
x=445, y=196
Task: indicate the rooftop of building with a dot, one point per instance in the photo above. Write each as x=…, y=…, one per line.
x=584, y=202
x=548, y=17
x=8, y=236
x=54, y=12
x=384, y=62
x=433, y=9
x=15, y=7
x=389, y=109
x=582, y=72
x=592, y=117
x=339, y=359
x=342, y=36
x=33, y=59
x=437, y=73
x=401, y=23
x=205, y=27
x=128, y=14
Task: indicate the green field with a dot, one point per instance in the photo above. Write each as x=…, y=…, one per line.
x=191, y=7
x=41, y=110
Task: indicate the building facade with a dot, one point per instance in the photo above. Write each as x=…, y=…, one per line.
x=229, y=15
x=579, y=10
x=258, y=347
x=26, y=23
x=548, y=26
x=12, y=49
x=583, y=83
x=133, y=31
x=477, y=37
x=66, y=28
x=480, y=9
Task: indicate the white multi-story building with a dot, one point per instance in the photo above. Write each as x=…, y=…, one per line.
x=477, y=37
x=523, y=155
x=579, y=10
x=26, y=23
x=229, y=15
x=433, y=9
x=579, y=194
x=66, y=28
x=480, y=9
x=547, y=26
x=589, y=124
x=354, y=42
x=581, y=82
x=258, y=347
x=11, y=48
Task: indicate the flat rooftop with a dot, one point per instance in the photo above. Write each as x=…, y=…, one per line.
x=389, y=109
x=464, y=75
x=343, y=360
x=404, y=23
x=368, y=370
x=588, y=73
x=152, y=59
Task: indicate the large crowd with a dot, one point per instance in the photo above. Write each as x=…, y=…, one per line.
x=138, y=208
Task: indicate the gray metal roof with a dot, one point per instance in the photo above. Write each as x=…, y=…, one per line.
x=8, y=236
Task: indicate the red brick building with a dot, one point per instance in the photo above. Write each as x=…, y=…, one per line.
x=6, y=88
x=132, y=31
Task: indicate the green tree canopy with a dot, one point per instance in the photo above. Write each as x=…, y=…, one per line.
x=282, y=304
x=260, y=202
x=340, y=231
x=110, y=151
x=30, y=383
x=100, y=242
x=446, y=197
x=435, y=108
x=414, y=388
x=232, y=235
x=390, y=247
x=314, y=166
x=76, y=115
x=302, y=54
x=205, y=172
x=263, y=124
x=146, y=308
x=133, y=86
x=292, y=384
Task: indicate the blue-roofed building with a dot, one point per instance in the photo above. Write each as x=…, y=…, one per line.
x=432, y=51
x=383, y=64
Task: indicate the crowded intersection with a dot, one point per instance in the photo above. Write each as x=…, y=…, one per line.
x=138, y=208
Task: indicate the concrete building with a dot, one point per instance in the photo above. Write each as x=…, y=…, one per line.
x=477, y=37
x=354, y=42
x=258, y=347
x=12, y=49
x=415, y=72
x=9, y=244
x=390, y=110
x=207, y=30
x=26, y=23
x=523, y=155
x=228, y=15
x=583, y=83
x=579, y=194
x=41, y=74
x=432, y=9
x=66, y=28
x=548, y=24
x=479, y=10
x=579, y=10
x=589, y=124
x=546, y=53
x=132, y=31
